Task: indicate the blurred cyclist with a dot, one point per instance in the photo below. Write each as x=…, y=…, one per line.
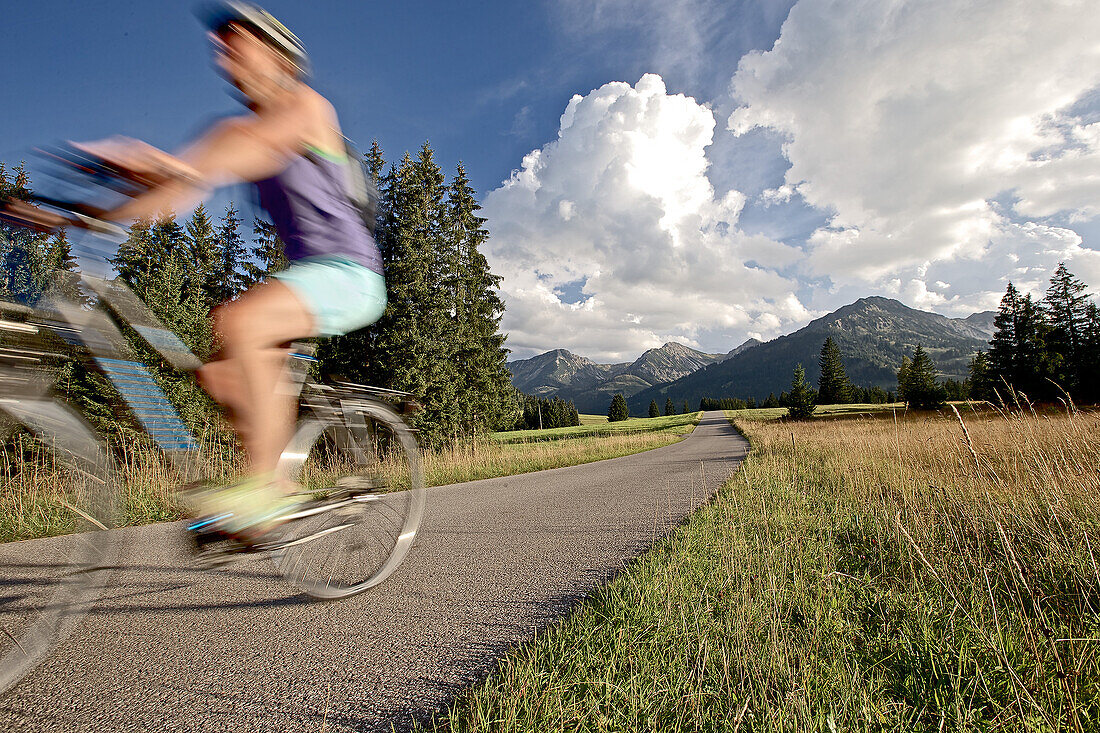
x=290, y=145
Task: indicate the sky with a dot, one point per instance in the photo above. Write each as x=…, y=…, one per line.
x=701, y=171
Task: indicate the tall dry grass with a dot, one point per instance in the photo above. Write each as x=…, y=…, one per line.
x=996, y=515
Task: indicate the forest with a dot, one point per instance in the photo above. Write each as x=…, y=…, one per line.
x=439, y=337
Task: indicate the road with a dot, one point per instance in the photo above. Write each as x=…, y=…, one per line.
x=172, y=648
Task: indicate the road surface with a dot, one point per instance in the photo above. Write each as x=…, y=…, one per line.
x=172, y=648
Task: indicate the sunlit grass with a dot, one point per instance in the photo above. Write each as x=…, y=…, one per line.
x=683, y=423
x=33, y=488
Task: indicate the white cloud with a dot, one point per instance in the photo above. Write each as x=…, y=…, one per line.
x=621, y=201
x=908, y=120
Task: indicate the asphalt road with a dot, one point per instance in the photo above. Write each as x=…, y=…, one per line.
x=172, y=648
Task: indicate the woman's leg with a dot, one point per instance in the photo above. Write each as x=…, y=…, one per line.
x=248, y=380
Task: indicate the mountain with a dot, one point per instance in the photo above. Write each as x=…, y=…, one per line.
x=559, y=370
x=873, y=334
x=981, y=321
x=591, y=386
x=737, y=350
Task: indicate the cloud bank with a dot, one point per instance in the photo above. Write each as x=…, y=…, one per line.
x=952, y=142
x=950, y=146
x=611, y=239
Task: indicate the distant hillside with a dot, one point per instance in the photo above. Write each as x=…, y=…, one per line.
x=873, y=334
x=982, y=321
x=747, y=345
x=591, y=385
x=559, y=370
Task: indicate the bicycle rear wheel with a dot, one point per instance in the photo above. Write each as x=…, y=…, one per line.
x=58, y=486
x=362, y=470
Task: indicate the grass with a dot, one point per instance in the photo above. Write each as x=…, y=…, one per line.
x=861, y=574
x=492, y=457
x=772, y=413
x=34, y=489
x=676, y=424
x=593, y=419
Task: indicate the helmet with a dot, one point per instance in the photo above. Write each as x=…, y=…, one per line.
x=216, y=16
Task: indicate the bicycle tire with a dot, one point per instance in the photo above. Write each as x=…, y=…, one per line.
x=379, y=489
x=49, y=584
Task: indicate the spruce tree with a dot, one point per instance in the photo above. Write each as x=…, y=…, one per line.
x=654, y=410
x=267, y=255
x=1066, y=309
x=903, y=376
x=670, y=408
x=919, y=388
x=204, y=253
x=685, y=409
x=1089, y=390
x=618, y=409
x=230, y=280
x=834, y=387
x=980, y=379
x=801, y=401
x=484, y=394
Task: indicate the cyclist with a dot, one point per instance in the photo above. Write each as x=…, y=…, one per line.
x=290, y=146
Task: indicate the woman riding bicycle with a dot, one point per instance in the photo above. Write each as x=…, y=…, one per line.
x=290, y=146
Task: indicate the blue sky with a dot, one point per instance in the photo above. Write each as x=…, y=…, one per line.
x=484, y=82
x=652, y=170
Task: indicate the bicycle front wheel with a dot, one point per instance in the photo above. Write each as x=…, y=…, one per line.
x=363, y=474
x=57, y=481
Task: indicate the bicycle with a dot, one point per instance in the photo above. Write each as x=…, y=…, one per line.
x=352, y=454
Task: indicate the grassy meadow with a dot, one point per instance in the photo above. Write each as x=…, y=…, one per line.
x=925, y=574
x=674, y=424
x=32, y=486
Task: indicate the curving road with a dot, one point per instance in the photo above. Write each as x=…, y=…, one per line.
x=170, y=648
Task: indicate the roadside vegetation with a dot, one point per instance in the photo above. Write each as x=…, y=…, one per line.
x=31, y=482
x=673, y=424
x=924, y=574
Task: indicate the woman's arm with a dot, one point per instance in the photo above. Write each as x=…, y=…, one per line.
x=240, y=149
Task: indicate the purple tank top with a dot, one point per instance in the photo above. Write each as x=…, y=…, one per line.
x=311, y=212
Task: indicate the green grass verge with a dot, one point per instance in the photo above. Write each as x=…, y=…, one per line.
x=682, y=423
x=593, y=419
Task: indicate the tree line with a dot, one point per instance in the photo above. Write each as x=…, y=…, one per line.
x=1045, y=349
x=537, y=413
x=439, y=337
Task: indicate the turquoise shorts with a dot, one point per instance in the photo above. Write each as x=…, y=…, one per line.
x=341, y=294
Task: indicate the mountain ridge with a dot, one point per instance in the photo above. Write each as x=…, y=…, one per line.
x=873, y=334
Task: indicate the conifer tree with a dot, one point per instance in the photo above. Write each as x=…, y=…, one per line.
x=833, y=387
x=801, y=402
x=413, y=349
x=670, y=408
x=267, y=255
x=204, y=254
x=1066, y=309
x=920, y=389
x=485, y=394
x=654, y=410
x=230, y=280
x=903, y=376
x=618, y=409
x=685, y=409
x=980, y=379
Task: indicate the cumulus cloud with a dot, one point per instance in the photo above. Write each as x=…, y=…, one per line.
x=912, y=123
x=621, y=202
